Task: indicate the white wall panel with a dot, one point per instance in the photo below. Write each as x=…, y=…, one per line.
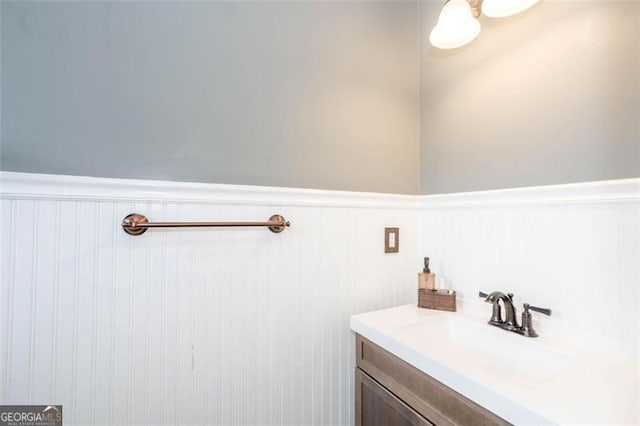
x=577, y=256
x=224, y=326
x=194, y=326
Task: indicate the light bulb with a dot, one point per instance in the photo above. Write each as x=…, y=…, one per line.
x=504, y=8
x=456, y=26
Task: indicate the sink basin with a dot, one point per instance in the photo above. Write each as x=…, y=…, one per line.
x=523, y=380
x=484, y=351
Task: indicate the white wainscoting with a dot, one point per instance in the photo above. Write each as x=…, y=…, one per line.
x=572, y=248
x=204, y=326
x=216, y=326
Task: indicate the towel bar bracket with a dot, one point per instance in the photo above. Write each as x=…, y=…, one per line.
x=131, y=224
x=283, y=224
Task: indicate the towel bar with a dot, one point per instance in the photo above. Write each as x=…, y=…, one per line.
x=137, y=224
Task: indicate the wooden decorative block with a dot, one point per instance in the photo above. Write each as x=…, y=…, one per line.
x=431, y=299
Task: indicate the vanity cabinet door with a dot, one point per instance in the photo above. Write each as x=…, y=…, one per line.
x=376, y=406
x=424, y=395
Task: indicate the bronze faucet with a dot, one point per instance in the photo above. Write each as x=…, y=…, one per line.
x=510, y=322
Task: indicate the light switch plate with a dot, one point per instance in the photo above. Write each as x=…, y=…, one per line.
x=391, y=240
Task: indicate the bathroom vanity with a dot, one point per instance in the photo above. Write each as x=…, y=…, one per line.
x=421, y=367
x=391, y=392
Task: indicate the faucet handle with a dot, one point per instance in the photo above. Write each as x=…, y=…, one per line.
x=485, y=296
x=528, y=307
x=527, y=324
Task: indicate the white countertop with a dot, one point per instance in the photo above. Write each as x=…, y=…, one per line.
x=566, y=384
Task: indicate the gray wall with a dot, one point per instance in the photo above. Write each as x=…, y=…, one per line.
x=549, y=96
x=336, y=95
x=303, y=94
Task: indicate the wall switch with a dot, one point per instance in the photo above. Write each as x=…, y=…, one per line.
x=391, y=240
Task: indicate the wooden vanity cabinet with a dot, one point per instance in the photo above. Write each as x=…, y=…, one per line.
x=376, y=406
x=390, y=392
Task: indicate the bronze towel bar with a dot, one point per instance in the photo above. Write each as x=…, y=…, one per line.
x=137, y=224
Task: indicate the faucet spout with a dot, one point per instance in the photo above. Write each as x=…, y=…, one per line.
x=510, y=322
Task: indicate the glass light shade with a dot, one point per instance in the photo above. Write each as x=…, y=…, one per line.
x=504, y=8
x=456, y=26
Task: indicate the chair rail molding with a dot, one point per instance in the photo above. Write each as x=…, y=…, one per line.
x=619, y=190
x=17, y=185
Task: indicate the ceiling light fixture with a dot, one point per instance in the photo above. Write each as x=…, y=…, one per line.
x=458, y=21
x=456, y=26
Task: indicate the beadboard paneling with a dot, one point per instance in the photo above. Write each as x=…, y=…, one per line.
x=221, y=326
x=193, y=326
x=579, y=257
